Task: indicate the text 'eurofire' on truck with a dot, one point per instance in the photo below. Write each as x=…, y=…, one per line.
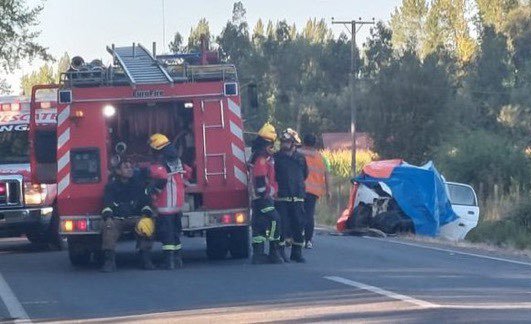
x=109, y=112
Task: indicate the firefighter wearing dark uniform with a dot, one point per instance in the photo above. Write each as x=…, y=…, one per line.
x=266, y=220
x=126, y=205
x=169, y=177
x=291, y=171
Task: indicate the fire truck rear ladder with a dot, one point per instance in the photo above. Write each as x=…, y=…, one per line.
x=207, y=155
x=139, y=65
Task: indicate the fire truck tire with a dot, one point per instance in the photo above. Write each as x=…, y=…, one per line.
x=239, y=242
x=217, y=243
x=80, y=251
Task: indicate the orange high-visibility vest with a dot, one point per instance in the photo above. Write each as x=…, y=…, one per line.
x=316, y=181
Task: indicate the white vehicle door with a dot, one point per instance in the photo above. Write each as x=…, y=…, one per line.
x=465, y=205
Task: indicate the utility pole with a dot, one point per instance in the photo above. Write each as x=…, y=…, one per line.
x=163, y=29
x=353, y=30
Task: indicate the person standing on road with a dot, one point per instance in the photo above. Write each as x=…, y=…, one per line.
x=126, y=206
x=317, y=184
x=291, y=170
x=169, y=178
x=266, y=220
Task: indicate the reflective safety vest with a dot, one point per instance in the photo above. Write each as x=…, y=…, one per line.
x=316, y=181
x=171, y=199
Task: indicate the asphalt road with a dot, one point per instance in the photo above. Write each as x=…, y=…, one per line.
x=346, y=279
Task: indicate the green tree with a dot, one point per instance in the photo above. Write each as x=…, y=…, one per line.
x=409, y=108
x=408, y=24
x=18, y=38
x=234, y=39
x=494, y=12
x=45, y=75
x=176, y=45
x=489, y=77
x=202, y=29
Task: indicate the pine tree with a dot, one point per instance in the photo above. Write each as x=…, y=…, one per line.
x=408, y=24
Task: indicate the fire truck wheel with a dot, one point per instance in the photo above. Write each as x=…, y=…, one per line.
x=217, y=243
x=239, y=242
x=78, y=252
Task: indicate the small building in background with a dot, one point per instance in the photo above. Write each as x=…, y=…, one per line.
x=343, y=141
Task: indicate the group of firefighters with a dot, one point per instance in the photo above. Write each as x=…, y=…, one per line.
x=286, y=184
x=126, y=197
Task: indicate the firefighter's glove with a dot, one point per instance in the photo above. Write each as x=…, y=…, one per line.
x=147, y=212
x=106, y=213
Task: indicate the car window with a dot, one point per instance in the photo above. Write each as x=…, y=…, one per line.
x=461, y=195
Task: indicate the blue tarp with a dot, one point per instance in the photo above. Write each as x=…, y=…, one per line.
x=420, y=193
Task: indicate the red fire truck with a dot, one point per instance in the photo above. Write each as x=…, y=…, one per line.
x=25, y=207
x=107, y=112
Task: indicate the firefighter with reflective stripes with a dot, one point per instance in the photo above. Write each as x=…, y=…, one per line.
x=169, y=178
x=316, y=184
x=291, y=171
x=266, y=220
x=126, y=207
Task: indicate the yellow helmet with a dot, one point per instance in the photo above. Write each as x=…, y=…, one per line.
x=145, y=227
x=158, y=141
x=268, y=132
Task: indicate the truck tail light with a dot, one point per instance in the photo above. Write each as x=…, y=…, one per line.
x=81, y=225
x=68, y=225
x=226, y=219
x=3, y=189
x=240, y=218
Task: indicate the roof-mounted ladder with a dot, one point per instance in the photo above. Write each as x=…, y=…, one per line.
x=139, y=65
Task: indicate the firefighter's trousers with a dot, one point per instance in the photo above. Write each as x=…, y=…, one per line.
x=169, y=228
x=266, y=221
x=292, y=220
x=113, y=227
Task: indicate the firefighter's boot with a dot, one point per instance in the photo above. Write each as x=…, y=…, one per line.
x=109, y=263
x=178, y=259
x=169, y=261
x=282, y=253
x=274, y=254
x=259, y=257
x=147, y=264
x=296, y=254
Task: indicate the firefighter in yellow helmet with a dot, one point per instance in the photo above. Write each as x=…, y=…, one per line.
x=169, y=177
x=126, y=207
x=266, y=221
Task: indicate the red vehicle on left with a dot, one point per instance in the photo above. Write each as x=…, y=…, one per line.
x=25, y=208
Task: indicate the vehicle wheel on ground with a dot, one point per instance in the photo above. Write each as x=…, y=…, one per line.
x=53, y=235
x=37, y=237
x=81, y=251
x=392, y=222
x=239, y=242
x=217, y=243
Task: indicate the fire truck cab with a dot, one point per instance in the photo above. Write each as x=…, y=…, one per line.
x=25, y=207
x=107, y=113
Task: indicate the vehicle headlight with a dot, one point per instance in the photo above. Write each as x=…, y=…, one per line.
x=34, y=194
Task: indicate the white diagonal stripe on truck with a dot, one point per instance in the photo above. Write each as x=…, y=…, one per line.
x=240, y=175
x=63, y=184
x=238, y=153
x=236, y=130
x=234, y=108
x=63, y=161
x=63, y=116
x=63, y=138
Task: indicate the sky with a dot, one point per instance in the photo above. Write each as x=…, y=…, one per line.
x=86, y=27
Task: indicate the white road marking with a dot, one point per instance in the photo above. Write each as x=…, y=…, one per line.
x=13, y=305
x=383, y=292
x=451, y=251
